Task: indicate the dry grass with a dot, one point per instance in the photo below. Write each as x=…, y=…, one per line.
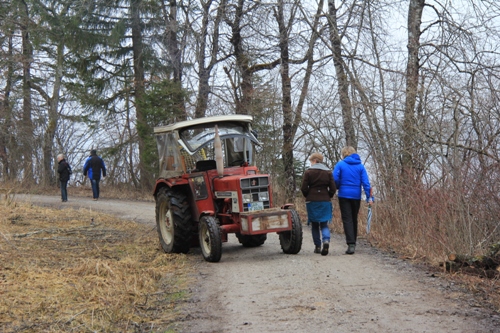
x=78, y=271
x=418, y=244
x=486, y=291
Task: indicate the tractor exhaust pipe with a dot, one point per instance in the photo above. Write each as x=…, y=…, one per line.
x=219, y=162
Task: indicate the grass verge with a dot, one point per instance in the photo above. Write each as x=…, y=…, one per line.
x=416, y=248
x=75, y=270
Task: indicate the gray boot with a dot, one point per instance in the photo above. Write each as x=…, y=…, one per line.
x=350, y=248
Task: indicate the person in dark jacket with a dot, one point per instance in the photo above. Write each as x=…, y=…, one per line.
x=64, y=171
x=93, y=167
x=350, y=175
x=318, y=187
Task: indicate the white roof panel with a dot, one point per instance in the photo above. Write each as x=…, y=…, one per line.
x=199, y=121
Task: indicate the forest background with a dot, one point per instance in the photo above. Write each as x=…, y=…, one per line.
x=413, y=85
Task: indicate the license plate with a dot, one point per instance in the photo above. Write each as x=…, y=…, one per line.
x=253, y=206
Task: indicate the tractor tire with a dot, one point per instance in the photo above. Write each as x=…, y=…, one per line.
x=210, y=239
x=251, y=240
x=173, y=221
x=291, y=241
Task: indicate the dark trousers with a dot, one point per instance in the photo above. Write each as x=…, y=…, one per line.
x=64, y=190
x=95, y=188
x=349, y=209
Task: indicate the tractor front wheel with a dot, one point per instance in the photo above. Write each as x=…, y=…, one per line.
x=210, y=239
x=291, y=241
x=173, y=221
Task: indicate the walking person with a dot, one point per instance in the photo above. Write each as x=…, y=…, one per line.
x=93, y=168
x=64, y=171
x=318, y=187
x=350, y=176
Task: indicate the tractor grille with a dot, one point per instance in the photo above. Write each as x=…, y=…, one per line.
x=255, y=192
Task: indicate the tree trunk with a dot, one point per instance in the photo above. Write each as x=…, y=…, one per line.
x=26, y=135
x=412, y=78
x=343, y=82
x=175, y=57
x=204, y=69
x=130, y=149
x=143, y=129
x=6, y=137
x=53, y=106
x=286, y=104
x=243, y=102
x=204, y=73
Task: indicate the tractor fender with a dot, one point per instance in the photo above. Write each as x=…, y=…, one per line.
x=171, y=182
x=207, y=212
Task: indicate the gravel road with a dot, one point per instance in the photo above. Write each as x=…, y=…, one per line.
x=263, y=290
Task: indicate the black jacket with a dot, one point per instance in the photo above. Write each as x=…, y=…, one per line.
x=63, y=170
x=94, y=166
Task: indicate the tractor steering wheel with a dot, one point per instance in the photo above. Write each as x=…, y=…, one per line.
x=237, y=162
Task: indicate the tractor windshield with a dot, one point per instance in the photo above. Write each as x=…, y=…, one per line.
x=197, y=137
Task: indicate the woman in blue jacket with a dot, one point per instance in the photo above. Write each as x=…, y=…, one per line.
x=350, y=175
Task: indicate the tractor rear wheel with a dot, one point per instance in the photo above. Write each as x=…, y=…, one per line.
x=251, y=240
x=173, y=221
x=291, y=241
x=210, y=239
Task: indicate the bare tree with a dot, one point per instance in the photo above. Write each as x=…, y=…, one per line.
x=292, y=118
x=343, y=82
x=415, y=10
x=6, y=117
x=27, y=128
x=207, y=53
x=136, y=25
x=58, y=37
x=175, y=55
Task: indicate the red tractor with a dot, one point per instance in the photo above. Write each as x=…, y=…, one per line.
x=209, y=187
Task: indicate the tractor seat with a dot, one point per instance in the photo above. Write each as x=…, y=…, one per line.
x=205, y=165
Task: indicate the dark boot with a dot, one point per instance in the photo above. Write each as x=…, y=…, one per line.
x=350, y=248
x=317, y=249
x=326, y=246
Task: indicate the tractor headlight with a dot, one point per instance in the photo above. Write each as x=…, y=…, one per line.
x=263, y=196
x=247, y=197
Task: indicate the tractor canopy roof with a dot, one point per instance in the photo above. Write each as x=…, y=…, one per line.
x=198, y=133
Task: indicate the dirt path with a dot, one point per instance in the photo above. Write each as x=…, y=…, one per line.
x=263, y=290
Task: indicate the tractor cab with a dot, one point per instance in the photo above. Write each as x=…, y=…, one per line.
x=190, y=146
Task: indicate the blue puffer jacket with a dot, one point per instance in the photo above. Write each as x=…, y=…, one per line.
x=349, y=175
